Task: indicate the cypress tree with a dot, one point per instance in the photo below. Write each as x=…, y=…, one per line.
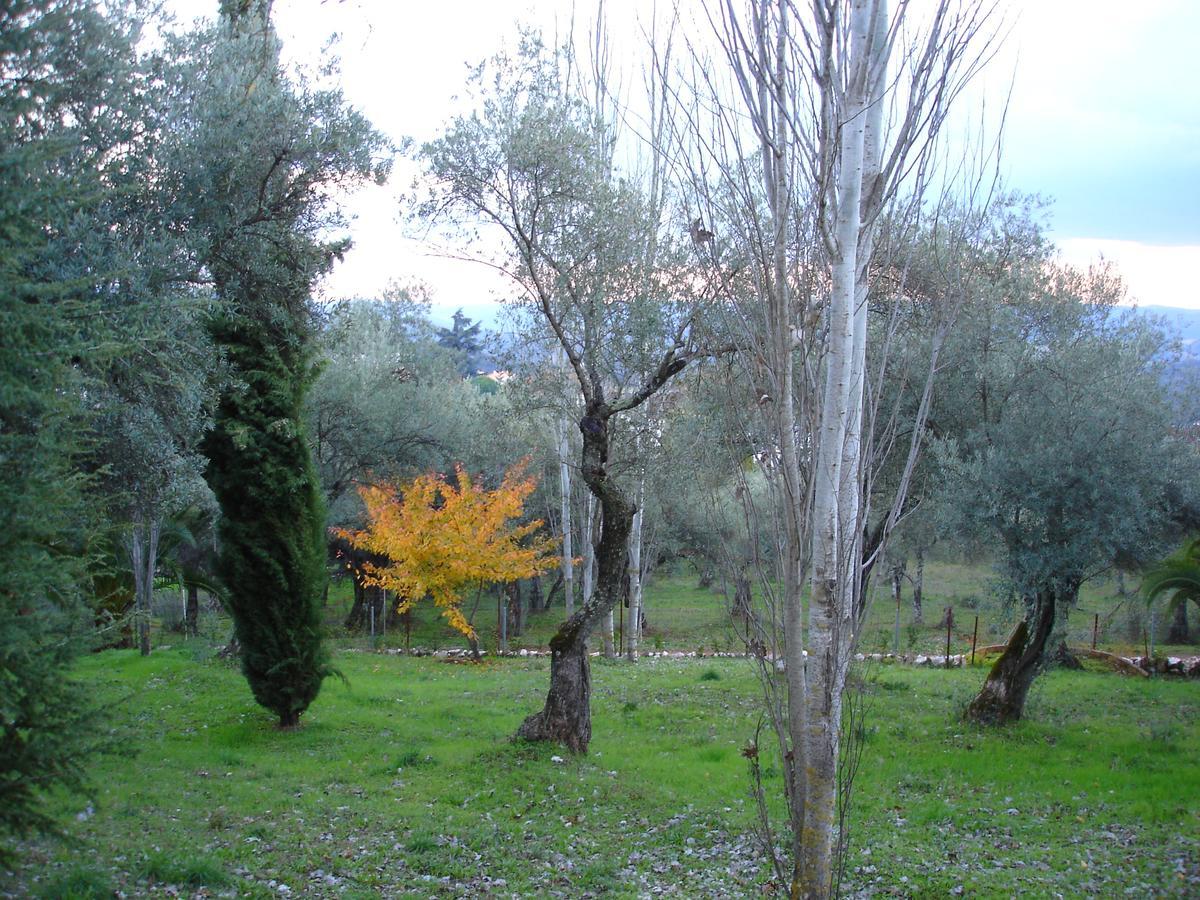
x=272, y=557
x=260, y=157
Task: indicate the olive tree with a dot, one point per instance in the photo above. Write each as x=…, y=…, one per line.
x=594, y=258
x=1066, y=454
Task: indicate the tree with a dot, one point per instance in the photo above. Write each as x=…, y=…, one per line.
x=440, y=537
x=258, y=159
x=190, y=555
x=151, y=472
x=388, y=402
x=592, y=260
x=69, y=160
x=463, y=338
x=1178, y=575
x=1067, y=455
x=799, y=191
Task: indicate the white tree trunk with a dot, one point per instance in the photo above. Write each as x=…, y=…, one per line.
x=142, y=547
x=633, y=629
x=564, y=482
x=845, y=176
x=837, y=503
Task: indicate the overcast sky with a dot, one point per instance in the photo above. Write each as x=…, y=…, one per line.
x=1104, y=120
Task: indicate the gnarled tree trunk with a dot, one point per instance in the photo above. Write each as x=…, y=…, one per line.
x=1002, y=698
x=566, y=717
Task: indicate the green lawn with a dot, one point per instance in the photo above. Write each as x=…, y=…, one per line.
x=682, y=616
x=405, y=781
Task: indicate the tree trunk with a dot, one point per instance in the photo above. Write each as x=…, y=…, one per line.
x=635, y=578
x=919, y=588
x=566, y=717
x=501, y=623
x=1002, y=698
x=142, y=546
x=564, y=482
x=536, y=599
x=741, y=596
x=555, y=587
x=358, y=612
x=897, y=577
x=1062, y=657
x=838, y=502
x=587, y=536
x=1178, y=632
x=516, y=612
x=191, y=614
x=137, y=555
x=394, y=618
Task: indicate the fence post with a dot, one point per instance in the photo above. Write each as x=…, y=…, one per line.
x=949, y=625
x=1095, y=629
x=896, y=637
x=974, y=639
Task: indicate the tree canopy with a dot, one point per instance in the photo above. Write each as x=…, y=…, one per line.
x=442, y=536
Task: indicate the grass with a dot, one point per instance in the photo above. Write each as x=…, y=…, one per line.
x=682, y=616
x=406, y=782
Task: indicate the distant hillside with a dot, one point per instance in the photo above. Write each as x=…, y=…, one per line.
x=1185, y=323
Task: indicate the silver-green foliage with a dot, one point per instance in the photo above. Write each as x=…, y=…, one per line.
x=1063, y=449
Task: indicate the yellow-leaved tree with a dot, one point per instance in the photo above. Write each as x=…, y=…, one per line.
x=441, y=538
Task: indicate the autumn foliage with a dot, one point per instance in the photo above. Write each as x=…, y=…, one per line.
x=442, y=538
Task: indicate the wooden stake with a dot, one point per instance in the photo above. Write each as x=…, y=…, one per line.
x=949, y=625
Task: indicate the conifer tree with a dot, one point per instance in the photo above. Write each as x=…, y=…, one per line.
x=60, y=170
x=272, y=528
x=263, y=157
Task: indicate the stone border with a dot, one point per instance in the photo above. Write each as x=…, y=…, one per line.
x=1186, y=666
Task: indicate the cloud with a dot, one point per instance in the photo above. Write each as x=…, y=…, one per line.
x=1156, y=274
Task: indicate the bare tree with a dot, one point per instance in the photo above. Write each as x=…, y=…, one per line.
x=830, y=141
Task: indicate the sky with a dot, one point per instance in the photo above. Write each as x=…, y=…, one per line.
x=1103, y=120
